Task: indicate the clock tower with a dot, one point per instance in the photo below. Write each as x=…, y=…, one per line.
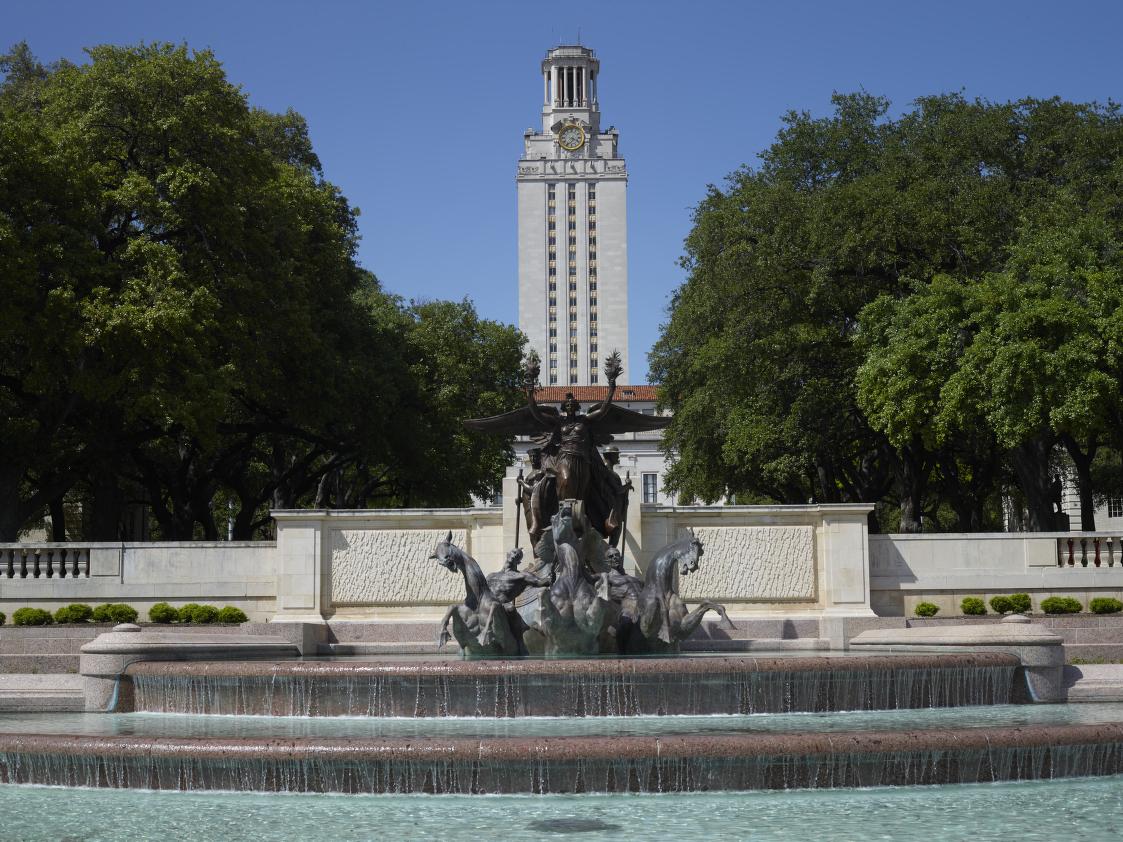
x=573, y=251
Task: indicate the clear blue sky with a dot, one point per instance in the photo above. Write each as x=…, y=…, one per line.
x=417, y=109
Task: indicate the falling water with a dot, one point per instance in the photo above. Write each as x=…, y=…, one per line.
x=562, y=693
x=540, y=773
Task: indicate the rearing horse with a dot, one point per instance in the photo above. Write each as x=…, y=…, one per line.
x=479, y=624
x=663, y=618
x=572, y=613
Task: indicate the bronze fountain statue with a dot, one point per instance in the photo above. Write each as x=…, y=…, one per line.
x=575, y=598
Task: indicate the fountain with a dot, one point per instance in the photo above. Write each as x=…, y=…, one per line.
x=569, y=681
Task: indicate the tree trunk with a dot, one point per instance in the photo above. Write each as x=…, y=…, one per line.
x=1082, y=460
x=913, y=475
x=58, y=520
x=106, y=507
x=1031, y=464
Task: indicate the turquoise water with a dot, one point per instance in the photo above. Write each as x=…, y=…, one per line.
x=184, y=725
x=1088, y=809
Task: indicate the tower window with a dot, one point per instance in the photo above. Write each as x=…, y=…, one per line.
x=651, y=488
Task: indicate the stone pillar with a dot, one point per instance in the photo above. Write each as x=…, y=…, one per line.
x=303, y=573
x=843, y=549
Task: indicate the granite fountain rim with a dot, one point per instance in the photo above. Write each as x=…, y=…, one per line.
x=676, y=665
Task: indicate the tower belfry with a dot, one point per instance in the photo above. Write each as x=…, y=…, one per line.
x=573, y=256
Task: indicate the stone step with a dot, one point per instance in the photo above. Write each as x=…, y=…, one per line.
x=22, y=693
x=1094, y=652
x=87, y=630
x=43, y=645
x=1094, y=682
x=39, y=664
x=386, y=648
x=763, y=644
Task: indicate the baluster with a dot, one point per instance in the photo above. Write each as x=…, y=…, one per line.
x=1096, y=541
x=54, y=561
x=1110, y=552
x=64, y=562
x=23, y=564
x=82, y=565
x=1070, y=560
x=1060, y=553
x=1083, y=552
x=6, y=558
x=37, y=563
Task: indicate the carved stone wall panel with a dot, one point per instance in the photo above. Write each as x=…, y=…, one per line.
x=392, y=566
x=753, y=563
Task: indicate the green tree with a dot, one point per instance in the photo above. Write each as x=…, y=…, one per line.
x=185, y=321
x=859, y=308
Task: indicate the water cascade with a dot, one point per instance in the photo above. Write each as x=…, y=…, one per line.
x=609, y=687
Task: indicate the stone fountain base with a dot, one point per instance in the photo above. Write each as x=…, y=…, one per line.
x=566, y=765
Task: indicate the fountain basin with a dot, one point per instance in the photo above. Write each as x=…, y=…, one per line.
x=596, y=687
x=681, y=763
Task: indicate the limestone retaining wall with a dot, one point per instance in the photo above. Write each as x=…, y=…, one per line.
x=943, y=569
x=239, y=573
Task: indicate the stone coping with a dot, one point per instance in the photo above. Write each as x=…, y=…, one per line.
x=1004, y=633
x=606, y=748
x=186, y=643
x=681, y=665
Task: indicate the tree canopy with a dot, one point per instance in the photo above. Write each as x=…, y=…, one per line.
x=917, y=311
x=185, y=325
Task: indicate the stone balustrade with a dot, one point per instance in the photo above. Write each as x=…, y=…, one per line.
x=44, y=561
x=1090, y=549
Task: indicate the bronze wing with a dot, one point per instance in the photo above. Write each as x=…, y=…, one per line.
x=517, y=422
x=620, y=420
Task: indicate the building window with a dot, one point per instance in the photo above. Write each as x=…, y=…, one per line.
x=1115, y=506
x=593, y=377
x=593, y=348
x=553, y=332
x=650, y=488
x=553, y=378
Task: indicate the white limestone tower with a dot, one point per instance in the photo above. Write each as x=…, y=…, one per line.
x=573, y=242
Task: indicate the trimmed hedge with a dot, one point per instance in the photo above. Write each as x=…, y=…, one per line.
x=76, y=612
x=185, y=612
x=114, y=612
x=3, y=618
x=32, y=617
x=1020, y=603
x=161, y=612
x=1001, y=605
x=230, y=614
x=972, y=605
x=1105, y=605
x=204, y=614
x=1061, y=605
x=926, y=609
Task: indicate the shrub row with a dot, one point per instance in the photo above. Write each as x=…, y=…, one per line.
x=192, y=612
x=78, y=612
x=1020, y=603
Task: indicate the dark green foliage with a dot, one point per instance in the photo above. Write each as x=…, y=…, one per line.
x=927, y=609
x=3, y=618
x=1061, y=605
x=204, y=614
x=114, y=612
x=1001, y=605
x=75, y=613
x=1020, y=603
x=161, y=612
x=230, y=614
x=185, y=611
x=1105, y=605
x=911, y=311
x=32, y=617
x=972, y=606
x=184, y=318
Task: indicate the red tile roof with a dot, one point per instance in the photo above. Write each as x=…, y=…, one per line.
x=556, y=394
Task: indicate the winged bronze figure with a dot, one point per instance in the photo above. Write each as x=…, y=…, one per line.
x=572, y=466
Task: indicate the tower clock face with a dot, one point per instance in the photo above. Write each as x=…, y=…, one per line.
x=571, y=137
